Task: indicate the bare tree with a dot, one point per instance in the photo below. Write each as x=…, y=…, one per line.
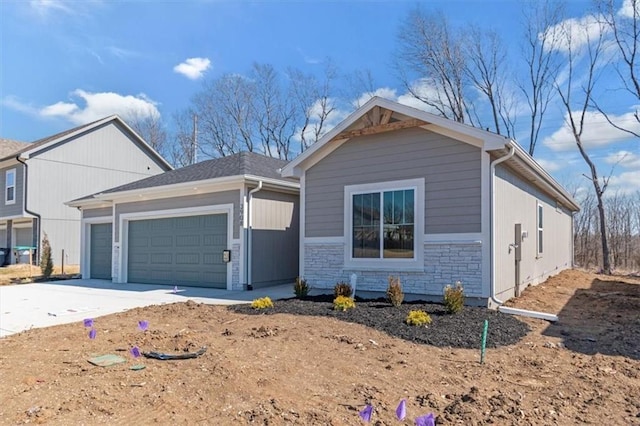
x=486, y=69
x=576, y=92
x=625, y=27
x=541, y=57
x=315, y=102
x=183, y=151
x=150, y=128
x=430, y=52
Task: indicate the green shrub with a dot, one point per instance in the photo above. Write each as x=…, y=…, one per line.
x=418, y=318
x=394, y=291
x=262, y=303
x=342, y=289
x=343, y=303
x=46, y=262
x=301, y=288
x=454, y=298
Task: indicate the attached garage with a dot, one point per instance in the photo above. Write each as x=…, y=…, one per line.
x=184, y=251
x=100, y=255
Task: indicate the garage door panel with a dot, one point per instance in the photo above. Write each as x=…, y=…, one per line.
x=182, y=250
x=100, y=251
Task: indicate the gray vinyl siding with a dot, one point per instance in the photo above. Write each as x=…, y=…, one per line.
x=199, y=200
x=275, y=238
x=451, y=169
x=91, y=162
x=101, y=212
x=516, y=202
x=17, y=208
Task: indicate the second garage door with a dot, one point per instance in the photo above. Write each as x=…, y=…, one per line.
x=178, y=251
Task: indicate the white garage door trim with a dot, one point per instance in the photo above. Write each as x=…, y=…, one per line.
x=121, y=249
x=85, y=243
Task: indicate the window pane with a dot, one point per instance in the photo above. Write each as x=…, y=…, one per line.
x=540, y=241
x=11, y=179
x=10, y=194
x=539, y=216
x=366, y=223
x=388, y=207
x=398, y=232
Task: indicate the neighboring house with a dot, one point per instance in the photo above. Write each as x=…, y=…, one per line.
x=393, y=190
x=37, y=178
x=228, y=223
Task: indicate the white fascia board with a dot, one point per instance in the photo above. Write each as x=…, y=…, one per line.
x=546, y=178
x=272, y=182
x=91, y=203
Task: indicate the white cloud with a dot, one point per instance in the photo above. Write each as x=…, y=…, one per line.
x=425, y=89
x=597, y=131
x=44, y=7
x=627, y=9
x=382, y=92
x=193, y=68
x=624, y=183
x=549, y=165
x=625, y=159
x=86, y=107
x=574, y=32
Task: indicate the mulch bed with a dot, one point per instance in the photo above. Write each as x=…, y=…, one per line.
x=461, y=330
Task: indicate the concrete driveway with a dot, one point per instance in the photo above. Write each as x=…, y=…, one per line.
x=36, y=305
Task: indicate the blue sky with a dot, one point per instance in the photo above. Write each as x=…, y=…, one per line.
x=65, y=63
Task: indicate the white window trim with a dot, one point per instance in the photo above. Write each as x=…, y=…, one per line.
x=6, y=186
x=539, y=207
x=415, y=264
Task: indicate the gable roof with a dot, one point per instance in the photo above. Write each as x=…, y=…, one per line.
x=243, y=163
x=29, y=149
x=8, y=146
x=236, y=167
x=382, y=115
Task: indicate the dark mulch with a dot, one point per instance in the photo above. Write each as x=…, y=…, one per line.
x=462, y=330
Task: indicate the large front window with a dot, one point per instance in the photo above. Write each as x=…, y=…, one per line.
x=383, y=224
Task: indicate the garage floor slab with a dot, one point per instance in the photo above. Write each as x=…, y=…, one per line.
x=36, y=305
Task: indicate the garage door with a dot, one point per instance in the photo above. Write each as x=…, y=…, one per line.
x=100, y=255
x=178, y=251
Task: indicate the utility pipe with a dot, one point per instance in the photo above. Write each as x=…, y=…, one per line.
x=26, y=209
x=249, y=237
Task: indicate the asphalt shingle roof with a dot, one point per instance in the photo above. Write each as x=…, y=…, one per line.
x=8, y=147
x=243, y=163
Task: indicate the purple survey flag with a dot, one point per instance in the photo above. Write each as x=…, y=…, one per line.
x=93, y=333
x=366, y=413
x=143, y=325
x=401, y=411
x=88, y=322
x=426, y=420
x=135, y=352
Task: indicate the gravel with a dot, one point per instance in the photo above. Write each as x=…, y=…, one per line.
x=461, y=330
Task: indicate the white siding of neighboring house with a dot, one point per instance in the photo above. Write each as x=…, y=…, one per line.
x=103, y=158
x=516, y=202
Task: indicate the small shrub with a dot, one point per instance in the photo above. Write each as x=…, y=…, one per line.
x=46, y=262
x=262, y=303
x=418, y=318
x=342, y=289
x=454, y=298
x=343, y=303
x=301, y=288
x=394, y=291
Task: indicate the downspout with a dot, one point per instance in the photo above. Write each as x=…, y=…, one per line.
x=26, y=209
x=494, y=163
x=494, y=299
x=249, y=239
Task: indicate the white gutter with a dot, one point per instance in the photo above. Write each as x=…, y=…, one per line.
x=494, y=163
x=494, y=299
x=249, y=239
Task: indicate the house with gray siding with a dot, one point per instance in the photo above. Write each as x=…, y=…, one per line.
x=393, y=190
x=229, y=223
x=39, y=177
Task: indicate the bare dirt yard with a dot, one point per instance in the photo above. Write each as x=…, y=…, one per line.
x=319, y=369
x=24, y=273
